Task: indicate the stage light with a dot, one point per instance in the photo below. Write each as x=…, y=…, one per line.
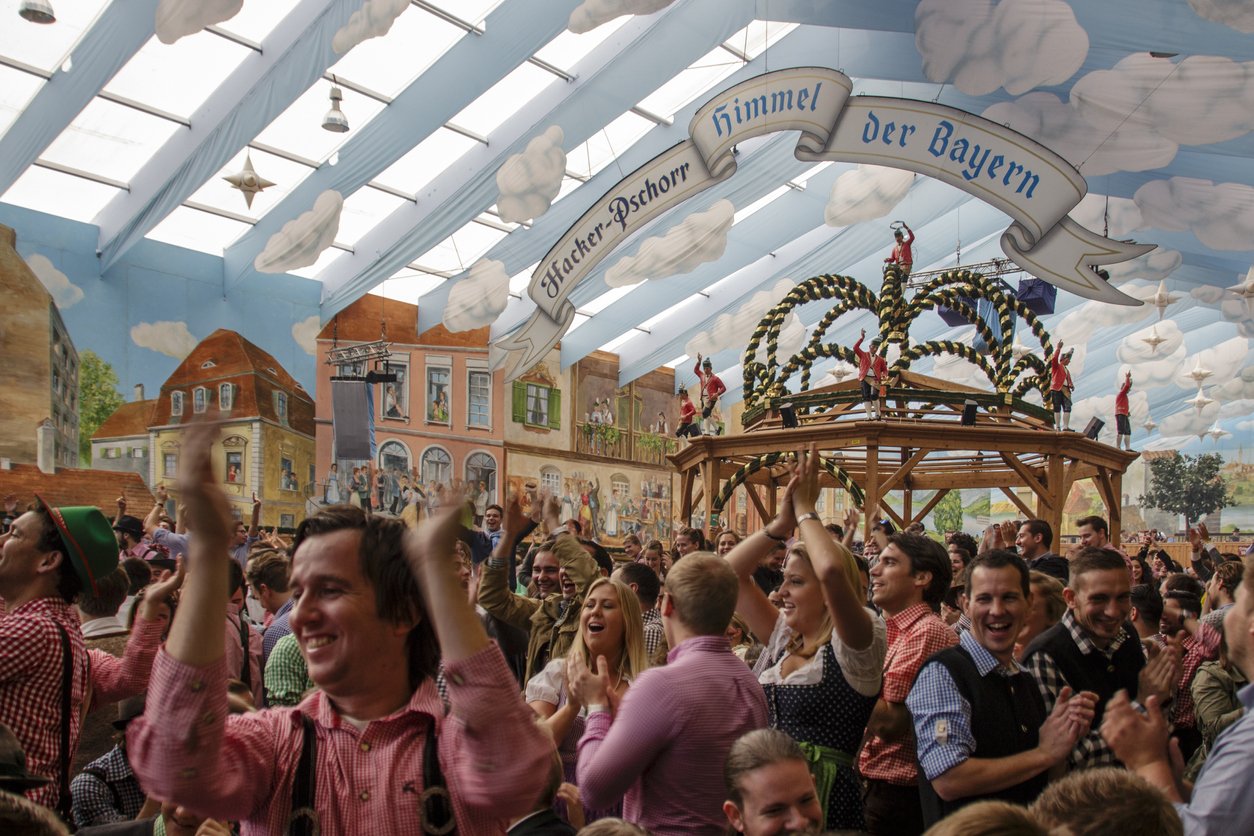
x=37, y=11
x=1094, y=428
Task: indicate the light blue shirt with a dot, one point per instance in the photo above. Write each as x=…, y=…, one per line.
x=1222, y=803
x=942, y=716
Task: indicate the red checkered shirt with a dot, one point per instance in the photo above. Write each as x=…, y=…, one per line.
x=1200, y=647
x=30, y=681
x=494, y=756
x=914, y=634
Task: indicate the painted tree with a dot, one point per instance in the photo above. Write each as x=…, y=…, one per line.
x=1187, y=485
x=98, y=398
x=947, y=515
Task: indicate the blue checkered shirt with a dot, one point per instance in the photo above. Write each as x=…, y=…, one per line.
x=115, y=797
x=942, y=716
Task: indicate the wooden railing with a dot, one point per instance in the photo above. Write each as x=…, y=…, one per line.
x=612, y=442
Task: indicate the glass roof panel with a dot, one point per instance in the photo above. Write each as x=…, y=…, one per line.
x=197, y=230
x=606, y=144
x=256, y=21
x=325, y=259
x=425, y=160
x=519, y=281
x=759, y=36
x=284, y=173
x=698, y=78
x=43, y=46
x=299, y=128
x=388, y=64
x=16, y=91
x=110, y=140
x=408, y=285
x=471, y=11
x=178, y=79
x=505, y=98
x=461, y=249
x=50, y=191
x=363, y=209
x=568, y=49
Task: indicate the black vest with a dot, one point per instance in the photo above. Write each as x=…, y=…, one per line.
x=1006, y=716
x=1092, y=672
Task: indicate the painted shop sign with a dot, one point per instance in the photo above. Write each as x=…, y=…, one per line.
x=1024, y=179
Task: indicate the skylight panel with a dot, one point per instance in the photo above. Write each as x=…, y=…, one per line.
x=299, y=128
x=59, y=194
x=285, y=174
x=606, y=299
x=568, y=49
x=45, y=47
x=255, y=21
x=606, y=144
x=363, y=210
x=16, y=91
x=618, y=342
x=473, y=12
x=461, y=249
x=388, y=64
x=519, y=281
x=178, y=79
x=759, y=36
x=325, y=260
x=426, y=160
x=698, y=78
x=505, y=98
x=196, y=230
x=677, y=362
x=759, y=204
x=408, y=285
x=110, y=140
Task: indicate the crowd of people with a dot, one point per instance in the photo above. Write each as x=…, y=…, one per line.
x=372, y=676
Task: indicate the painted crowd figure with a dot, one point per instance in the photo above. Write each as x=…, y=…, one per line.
x=872, y=376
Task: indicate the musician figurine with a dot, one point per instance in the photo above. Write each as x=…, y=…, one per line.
x=711, y=388
x=902, y=255
x=687, y=412
x=872, y=376
x=1061, y=386
x=1123, y=423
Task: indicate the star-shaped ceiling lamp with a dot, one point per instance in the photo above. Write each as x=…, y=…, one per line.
x=1153, y=340
x=1199, y=374
x=248, y=181
x=1200, y=401
x=1150, y=425
x=1162, y=299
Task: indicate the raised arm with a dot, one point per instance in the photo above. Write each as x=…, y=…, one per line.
x=153, y=519
x=495, y=596
x=429, y=551
x=114, y=679
x=751, y=602
x=832, y=562
x=254, y=523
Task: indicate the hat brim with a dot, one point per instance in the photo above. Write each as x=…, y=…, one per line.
x=73, y=551
x=22, y=782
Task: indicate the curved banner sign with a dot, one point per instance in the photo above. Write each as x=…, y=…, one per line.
x=1024, y=179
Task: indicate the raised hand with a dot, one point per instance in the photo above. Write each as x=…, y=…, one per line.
x=1137, y=740
x=806, y=474
x=163, y=494
x=515, y=518
x=1161, y=672
x=121, y=503
x=569, y=794
x=162, y=592
x=204, y=506
x=588, y=686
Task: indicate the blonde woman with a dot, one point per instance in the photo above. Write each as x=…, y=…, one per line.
x=611, y=628
x=824, y=658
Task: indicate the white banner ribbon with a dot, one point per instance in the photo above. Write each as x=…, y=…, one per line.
x=1027, y=181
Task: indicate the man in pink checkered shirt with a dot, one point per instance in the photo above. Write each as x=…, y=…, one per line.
x=907, y=583
x=372, y=599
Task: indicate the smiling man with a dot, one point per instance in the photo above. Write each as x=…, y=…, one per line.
x=907, y=583
x=982, y=728
x=1094, y=648
x=770, y=791
x=372, y=751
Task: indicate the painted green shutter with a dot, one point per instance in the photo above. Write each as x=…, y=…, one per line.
x=555, y=408
x=520, y=402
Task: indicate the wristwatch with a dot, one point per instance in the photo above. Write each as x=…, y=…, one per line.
x=807, y=516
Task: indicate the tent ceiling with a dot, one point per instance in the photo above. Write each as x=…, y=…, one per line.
x=102, y=122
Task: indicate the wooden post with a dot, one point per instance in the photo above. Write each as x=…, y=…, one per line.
x=872, y=488
x=1116, y=513
x=709, y=481
x=1057, y=493
x=907, y=503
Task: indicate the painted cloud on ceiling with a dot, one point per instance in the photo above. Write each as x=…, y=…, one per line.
x=64, y=292
x=592, y=13
x=305, y=333
x=698, y=238
x=531, y=180
x=373, y=20
x=866, y=193
x=1238, y=14
x=165, y=337
x=1221, y=215
x=478, y=299
x=1081, y=322
x=959, y=370
x=1152, y=366
x=180, y=18
x=1154, y=266
x=1224, y=361
x=1095, y=211
x=731, y=330
x=1233, y=307
x=302, y=239
x=979, y=45
x=1103, y=407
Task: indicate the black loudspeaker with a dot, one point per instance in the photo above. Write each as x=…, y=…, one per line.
x=968, y=413
x=1094, y=428
x=789, y=416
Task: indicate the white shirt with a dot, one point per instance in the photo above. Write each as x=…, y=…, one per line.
x=863, y=669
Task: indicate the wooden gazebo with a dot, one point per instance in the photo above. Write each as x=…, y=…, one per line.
x=922, y=449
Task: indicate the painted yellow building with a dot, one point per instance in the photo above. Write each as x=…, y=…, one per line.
x=267, y=440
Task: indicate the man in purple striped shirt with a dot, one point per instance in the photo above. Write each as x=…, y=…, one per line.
x=659, y=750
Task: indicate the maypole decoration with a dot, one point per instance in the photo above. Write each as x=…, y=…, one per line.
x=958, y=290
x=768, y=460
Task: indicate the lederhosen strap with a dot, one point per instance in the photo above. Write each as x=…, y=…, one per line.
x=304, y=821
x=246, y=672
x=64, y=808
x=437, y=804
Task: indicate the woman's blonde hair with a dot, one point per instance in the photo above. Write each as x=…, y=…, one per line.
x=634, y=660
x=850, y=569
